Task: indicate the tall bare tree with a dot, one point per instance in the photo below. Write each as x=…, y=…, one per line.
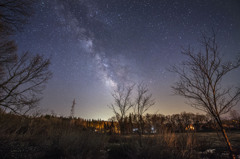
x=122, y=103
x=143, y=102
x=22, y=76
x=200, y=81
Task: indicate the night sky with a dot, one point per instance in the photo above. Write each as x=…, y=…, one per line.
x=94, y=45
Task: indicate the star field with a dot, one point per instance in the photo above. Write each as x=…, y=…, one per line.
x=95, y=45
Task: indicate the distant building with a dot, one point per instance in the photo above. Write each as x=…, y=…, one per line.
x=153, y=130
x=190, y=128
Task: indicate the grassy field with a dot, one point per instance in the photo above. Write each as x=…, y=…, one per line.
x=175, y=145
x=58, y=138
x=218, y=141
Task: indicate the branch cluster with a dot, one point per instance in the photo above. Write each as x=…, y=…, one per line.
x=23, y=80
x=22, y=77
x=201, y=79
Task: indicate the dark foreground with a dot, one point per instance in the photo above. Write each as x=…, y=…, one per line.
x=55, y=138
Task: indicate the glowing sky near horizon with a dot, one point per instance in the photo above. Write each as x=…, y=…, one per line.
x=94, y=45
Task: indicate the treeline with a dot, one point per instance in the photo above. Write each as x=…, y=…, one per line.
x=157, y=123
x=150, y=123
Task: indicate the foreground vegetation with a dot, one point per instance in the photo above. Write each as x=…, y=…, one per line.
x=58, y=137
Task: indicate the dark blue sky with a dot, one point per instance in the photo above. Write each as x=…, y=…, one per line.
x=96, y=44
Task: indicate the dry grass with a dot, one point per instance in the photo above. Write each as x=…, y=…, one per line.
x=47, y=138
x=53, y=137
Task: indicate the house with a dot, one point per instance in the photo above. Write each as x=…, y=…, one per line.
x=190, y=127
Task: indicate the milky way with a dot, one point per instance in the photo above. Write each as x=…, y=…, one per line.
x=95, y=45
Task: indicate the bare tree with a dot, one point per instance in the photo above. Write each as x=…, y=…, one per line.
x=22, y=76
x=122, y=103
x=23, y=81
x=200, y=81
x=143, y=102
x=13, y=14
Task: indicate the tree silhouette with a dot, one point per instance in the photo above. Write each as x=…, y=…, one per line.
x=22, y=77
x=143, y=102
x=200, y=81
x=13, y=14
x=122, y=103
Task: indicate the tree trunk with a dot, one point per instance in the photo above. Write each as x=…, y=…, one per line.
x=122, y=129
x=229, y=146
x=139, y=133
